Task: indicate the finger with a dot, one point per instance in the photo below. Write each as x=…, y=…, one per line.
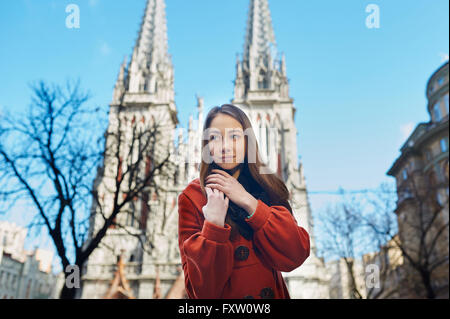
x=226, y=200
x=208, y=191
x=216, y=187
x=221, y=195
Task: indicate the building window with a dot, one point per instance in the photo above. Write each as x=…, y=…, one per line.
x=441, y=81
x=405, y=174
x=175, y=177
x=428, y=155
x=440, y=198
x=407, y=193
x=144, y=210
x=446, y=102
x=437, y=111
x=444, y=146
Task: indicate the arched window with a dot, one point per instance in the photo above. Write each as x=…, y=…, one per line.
x=437, y=111
x=262, y=80
x=175, y=177
x=144, y=211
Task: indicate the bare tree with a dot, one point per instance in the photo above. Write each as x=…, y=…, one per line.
x=49, y=158
x=347, y=234
x=340, y=229
x=379, y=214
x=422, y=237
x=406, y=235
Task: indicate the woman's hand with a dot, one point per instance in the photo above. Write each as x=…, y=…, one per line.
x=216, y=208
x=230, y=186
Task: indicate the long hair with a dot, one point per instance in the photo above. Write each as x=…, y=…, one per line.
x=273, y=185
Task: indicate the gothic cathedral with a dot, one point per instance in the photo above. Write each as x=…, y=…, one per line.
x=145, y=87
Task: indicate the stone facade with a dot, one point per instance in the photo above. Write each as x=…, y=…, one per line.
x=24, y=274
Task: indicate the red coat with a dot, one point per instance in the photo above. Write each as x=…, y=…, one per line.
x=217, y=268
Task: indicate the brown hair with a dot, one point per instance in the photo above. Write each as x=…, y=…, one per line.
x=273, y=185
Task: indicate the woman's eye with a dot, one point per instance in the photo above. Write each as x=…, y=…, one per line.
x=215, y=137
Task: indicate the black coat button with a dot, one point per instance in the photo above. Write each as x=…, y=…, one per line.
x=267, y=293
x=248, y=297
x=241, y=253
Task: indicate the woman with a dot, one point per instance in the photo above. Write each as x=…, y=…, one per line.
x=236, y=227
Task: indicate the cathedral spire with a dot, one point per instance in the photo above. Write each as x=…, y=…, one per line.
x=119, y=88
x=151, y=69
x=261, y=69
x=260, y=37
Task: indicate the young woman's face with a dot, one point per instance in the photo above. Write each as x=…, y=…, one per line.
x=226, y=141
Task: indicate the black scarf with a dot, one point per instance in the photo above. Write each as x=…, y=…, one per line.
x=237, y=213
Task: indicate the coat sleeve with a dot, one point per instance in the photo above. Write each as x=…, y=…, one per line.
x=206, y=252
x=283, y=244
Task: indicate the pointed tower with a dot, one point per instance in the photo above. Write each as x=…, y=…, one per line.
x=119, y=88
x=260, y=69
x=150, y=69
x=262, y=92
x=143, y=96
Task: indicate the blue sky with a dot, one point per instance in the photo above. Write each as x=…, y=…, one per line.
x=359, y=92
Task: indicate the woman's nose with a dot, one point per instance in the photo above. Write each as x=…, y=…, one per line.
x=227, y=145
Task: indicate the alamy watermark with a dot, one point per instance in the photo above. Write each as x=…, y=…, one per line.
x=73, y=279
x=73, y=17
x=373, y=19
x=372, y=276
